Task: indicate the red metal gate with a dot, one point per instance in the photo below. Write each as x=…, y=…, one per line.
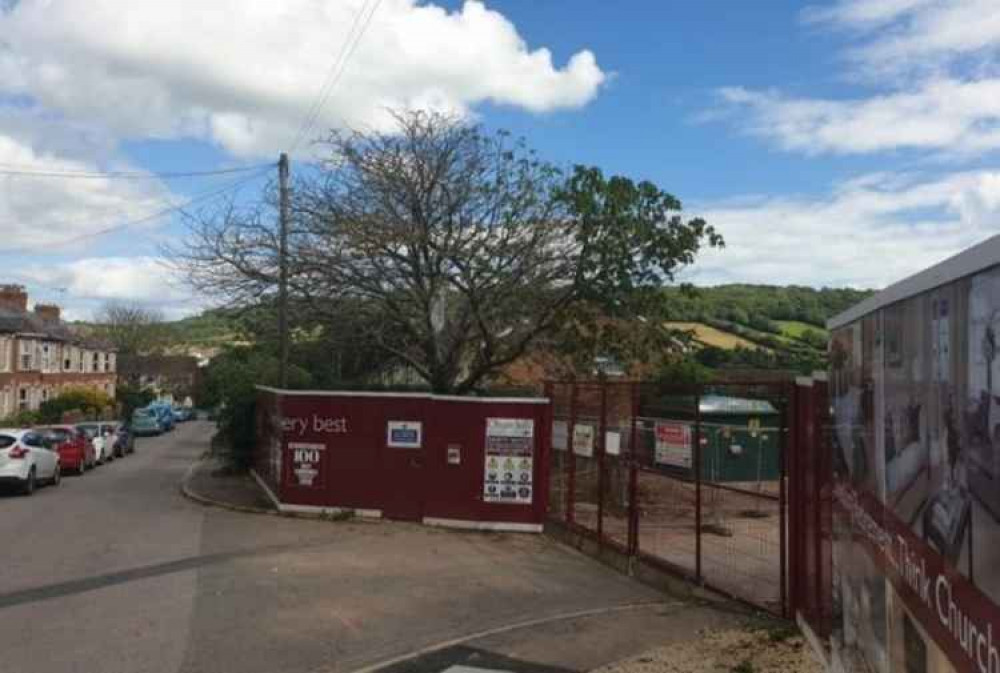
x=634, y=467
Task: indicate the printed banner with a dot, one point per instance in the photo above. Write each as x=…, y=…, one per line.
x=509, y=461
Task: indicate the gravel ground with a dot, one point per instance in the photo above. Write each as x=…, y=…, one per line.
x=750, y=650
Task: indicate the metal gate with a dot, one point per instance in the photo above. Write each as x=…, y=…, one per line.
x=689, y=479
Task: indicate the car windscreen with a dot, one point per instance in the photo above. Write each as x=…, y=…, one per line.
x=89, y=430
x=7, y=441
x=58, y=434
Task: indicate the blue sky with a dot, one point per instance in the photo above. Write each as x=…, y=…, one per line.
x=848, y=142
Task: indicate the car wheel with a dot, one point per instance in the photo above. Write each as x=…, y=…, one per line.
x=56, y=477
x=29, y=484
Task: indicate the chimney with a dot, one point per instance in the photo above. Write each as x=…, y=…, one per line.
x=13, y=298
x=47, y=312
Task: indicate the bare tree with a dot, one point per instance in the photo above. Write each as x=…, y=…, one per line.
x=131, y=328
x=453, y=250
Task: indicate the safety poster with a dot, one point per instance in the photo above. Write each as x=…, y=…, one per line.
x=510, y=447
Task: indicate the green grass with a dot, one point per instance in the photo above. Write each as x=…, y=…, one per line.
x=794, y=328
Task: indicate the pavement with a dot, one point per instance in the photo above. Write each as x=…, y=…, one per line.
x=114, y=572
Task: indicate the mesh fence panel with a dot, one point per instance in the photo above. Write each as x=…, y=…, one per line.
x=684, y=478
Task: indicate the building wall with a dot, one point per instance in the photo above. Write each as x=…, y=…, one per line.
x=915, y=389
x=34, y=369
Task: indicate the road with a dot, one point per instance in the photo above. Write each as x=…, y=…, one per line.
x=115, y=572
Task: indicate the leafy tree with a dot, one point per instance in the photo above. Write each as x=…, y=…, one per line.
x=229, y=384
x=454, y=251
x=131, y=398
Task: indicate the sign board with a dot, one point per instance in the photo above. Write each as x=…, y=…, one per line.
x=583, y=440
x=509, y=461
x=454, y=454
x=405, y=434
x=673, y=444
x=307, y=463
x=560, y=435
x=612, y=443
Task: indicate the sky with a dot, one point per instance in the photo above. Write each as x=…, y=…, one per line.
x=839, y=143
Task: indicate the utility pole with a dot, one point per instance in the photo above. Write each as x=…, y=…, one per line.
x=283, y=268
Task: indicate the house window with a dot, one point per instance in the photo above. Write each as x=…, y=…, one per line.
x=22, y=398
x=95, y=367
x=45, y=394
x=27, y=361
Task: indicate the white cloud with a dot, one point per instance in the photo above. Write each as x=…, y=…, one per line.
x=946, y=116
x=243, y=73
x=37, y=214
x=901, y=36
x=867, y=232
x=932, y=64
x=86, y=284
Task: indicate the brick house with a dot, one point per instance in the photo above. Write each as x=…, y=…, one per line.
x=40, y=355
x=174, y=375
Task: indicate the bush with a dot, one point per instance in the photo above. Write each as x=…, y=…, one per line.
x=89, y=402
x=21, y=419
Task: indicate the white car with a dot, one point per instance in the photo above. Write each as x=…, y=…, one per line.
x=27, y=460
x=103, y=442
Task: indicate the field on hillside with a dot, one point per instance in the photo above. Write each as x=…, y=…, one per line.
x=711, y=336
x=794, y=328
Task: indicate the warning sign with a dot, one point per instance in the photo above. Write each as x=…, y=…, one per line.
x=307, y=463
x=509, y=463
x=673, y=444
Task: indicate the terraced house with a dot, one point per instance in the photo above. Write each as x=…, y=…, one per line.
x=40, y=355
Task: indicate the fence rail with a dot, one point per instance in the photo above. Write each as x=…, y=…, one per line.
x=690, y=479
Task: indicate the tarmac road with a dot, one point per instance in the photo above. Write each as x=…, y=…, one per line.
x=116, y=572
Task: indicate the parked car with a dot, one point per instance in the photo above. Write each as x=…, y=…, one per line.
x=76, y=451
x=124, y=439
x=95, y=433
x=145, y=423
x=165, y=414
x=183, y=414
x=26, y=461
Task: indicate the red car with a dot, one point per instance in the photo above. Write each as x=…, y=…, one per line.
x=76, y=452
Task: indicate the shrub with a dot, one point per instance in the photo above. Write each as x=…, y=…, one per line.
x=88, y=401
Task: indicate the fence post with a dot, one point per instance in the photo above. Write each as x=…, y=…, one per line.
x=545, y=473
x=571, y=457
x=633, y=476
x=782, y=499
x=601, y=463
x=696, y=441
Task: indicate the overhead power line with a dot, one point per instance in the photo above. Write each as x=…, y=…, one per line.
x=15, y=170
x=362, y=20
x=147, y=218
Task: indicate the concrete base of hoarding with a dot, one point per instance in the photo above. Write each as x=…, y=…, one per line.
x=496, y=526
x=312, y=509
x=673, y=583
x=461, y=524
x=821, y=653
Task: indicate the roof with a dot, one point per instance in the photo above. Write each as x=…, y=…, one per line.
x=723, y=404
x=966, y=263
x=28, y=322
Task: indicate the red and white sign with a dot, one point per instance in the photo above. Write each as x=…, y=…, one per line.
x=673, y=444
